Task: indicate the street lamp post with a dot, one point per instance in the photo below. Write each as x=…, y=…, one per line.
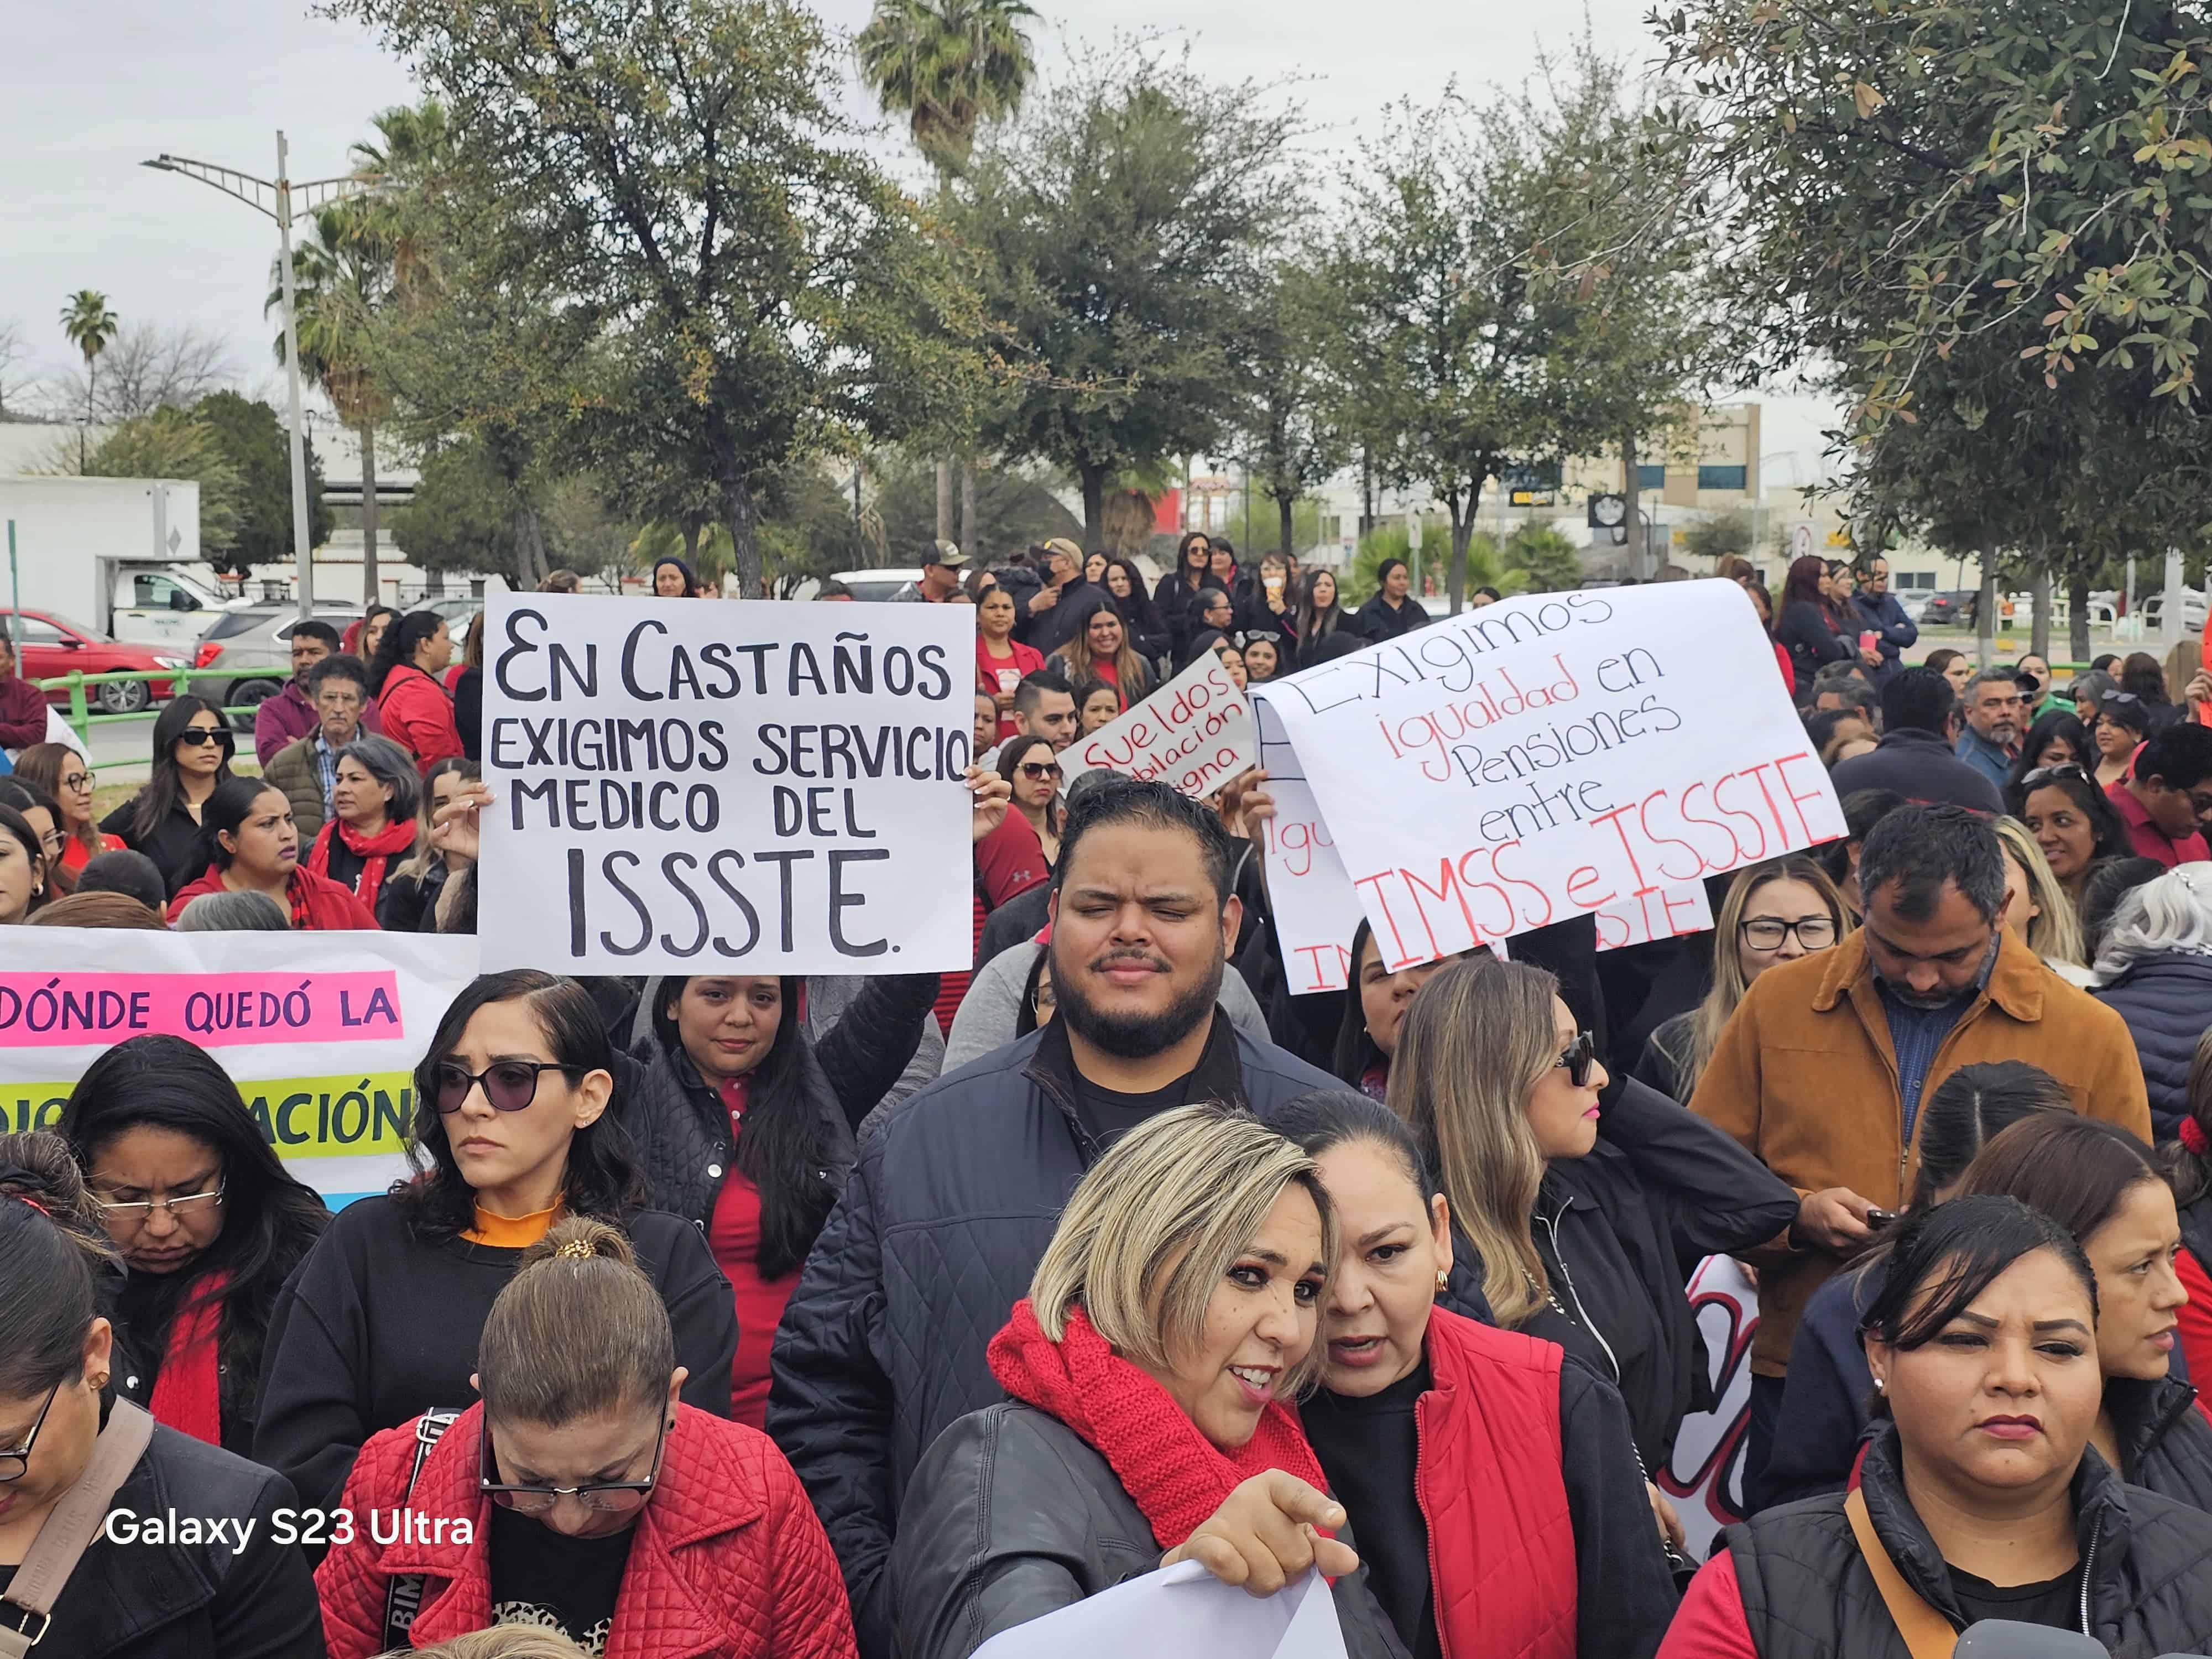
x=284, y=202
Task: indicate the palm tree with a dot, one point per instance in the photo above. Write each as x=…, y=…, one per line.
x=90, y=326
x=948, y=66
x=342, y=277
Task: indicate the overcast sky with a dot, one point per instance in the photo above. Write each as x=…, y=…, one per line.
x=99, y=85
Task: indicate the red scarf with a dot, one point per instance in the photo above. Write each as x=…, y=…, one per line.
x=378, y=850
x=188, y=1394
x=1170, y=1471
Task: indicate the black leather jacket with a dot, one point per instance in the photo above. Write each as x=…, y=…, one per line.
x=1011, y=1515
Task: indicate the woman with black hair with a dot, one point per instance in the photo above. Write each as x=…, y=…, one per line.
x=1178, y=591
x=1125, y=585
x=1394, y=609
x=1319, y=614
x=2073, y=820
x=170, y=1550
x=25, y=886
x=1809, y=625
x=253, y=846
x=1981, y=1495
x=510, y=1131
x=209, y=1223
x=2058, y=738
x=2123, y=722
x=404, y=679
x=744, y=1126
x=2141, y=675
x=1373, y=1012
x=192, y=747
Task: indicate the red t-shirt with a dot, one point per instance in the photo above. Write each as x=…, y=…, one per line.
x=733, y=1237
x=2196, y=1317
x=2149, y=841
x=1107, y=670
x=1010, y=859
x=991, y=672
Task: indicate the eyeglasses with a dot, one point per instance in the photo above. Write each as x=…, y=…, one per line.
x=1035, y=771
x=1577, y=1057
x=509, y=1084
x=79, y=781
x=14, y=1464
x=606, y=1497
x=200, y=736
x=1767, y=933
x=2119, y=696
x=135, y=1213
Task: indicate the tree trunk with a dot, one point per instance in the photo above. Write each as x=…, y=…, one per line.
x=945, y=498
x=1094, y=505
x=1985, y=612
x=1366, y=492
x=1462, y=530
x=2077, y=621
x=433, y=582
x=742, y=516
x=691, y=529
x=368, y=581
x=2039, y=635
x=1282, y=506
x=1639, y=543
x=968, y=508
x=530, y=547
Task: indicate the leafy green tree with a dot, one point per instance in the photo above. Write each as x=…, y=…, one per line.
x=681, y=177
x=254, y=443
x=1722, y=533
x=1389, y=541
x=809, y=530
x=175, y=443
x=464, y=515
x=1292, y=440
x=90, y=326
x=1544, y=560
x=1123, y=226
x=1014, y=511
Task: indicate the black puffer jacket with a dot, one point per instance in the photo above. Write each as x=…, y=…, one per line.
x=1012, y=1515
x=2167, y=1000
x=1619, y=1232
x=206, y=1600
x=1807, y=1595
x=948, y=1208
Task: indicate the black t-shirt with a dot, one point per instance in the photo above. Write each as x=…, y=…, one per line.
x=2055, y=1602
x=1370, y=1449
x=1107, y=1115
x=544, y=1578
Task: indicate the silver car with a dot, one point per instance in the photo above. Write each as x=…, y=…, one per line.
x=246, y=656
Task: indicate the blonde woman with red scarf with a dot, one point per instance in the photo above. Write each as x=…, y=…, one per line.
x=1171, y=1322
x=375, y=793
x=209, y=1224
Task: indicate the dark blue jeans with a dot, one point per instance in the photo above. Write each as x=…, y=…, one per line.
x=1758, y=1438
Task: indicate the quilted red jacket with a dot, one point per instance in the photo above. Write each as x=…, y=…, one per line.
x=729, y=1561
x=417, y=711
x=1491, y=1490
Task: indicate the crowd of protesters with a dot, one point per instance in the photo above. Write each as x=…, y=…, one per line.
x=763, y=1315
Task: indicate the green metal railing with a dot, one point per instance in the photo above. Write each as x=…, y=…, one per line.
x=81, y=718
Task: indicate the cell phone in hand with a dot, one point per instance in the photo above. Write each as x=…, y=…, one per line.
x=1878, y=1219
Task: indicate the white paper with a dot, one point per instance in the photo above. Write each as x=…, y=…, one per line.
x=1194, y=734
x=1553, y=755
x=685, y=786
x=334, y=1098
x=1662, y=913
x=1316, y=911
x=1703, y=1477
x=1182, y=1612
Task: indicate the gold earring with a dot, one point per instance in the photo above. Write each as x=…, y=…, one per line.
x=1443, y=1278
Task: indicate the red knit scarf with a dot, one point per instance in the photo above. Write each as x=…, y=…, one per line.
x=1170, y=1471
x=188, y=1394
x=379, y=850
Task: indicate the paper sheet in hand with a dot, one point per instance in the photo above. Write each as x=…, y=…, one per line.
x=1182, y=1612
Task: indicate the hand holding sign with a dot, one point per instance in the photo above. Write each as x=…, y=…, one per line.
x=993, y=795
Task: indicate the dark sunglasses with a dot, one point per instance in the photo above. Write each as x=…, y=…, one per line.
x=200, y=736
x=509, y=1084
x=606, y=1497
x=1577, y=1057
x=2119, y=696
x=1034, y=770
x=2043, y=774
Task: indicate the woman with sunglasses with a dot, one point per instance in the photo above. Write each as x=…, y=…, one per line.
x=192, y=747
x=2058, y=738
x=1020, y=852
x=137, y=1590
x=2122, y=724
x=1576, y=1226
x=253, y=846
x=2072, y=820
x=209, y=1223
x=1175, y=598
x=69, y=778
x=382, y=1321
x=582, y=1494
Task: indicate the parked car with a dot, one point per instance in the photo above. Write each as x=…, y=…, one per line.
x=876, y=584
x=1959, y=605
x=54, y=645
x=245, y=657
x=457, y=609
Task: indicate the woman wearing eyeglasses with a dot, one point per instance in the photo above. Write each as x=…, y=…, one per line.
x=192, y=747
x=583, y=1495
x=67, y=777
x=1774, y=913
x=1020, y=852
x=382, y=1321
x=209, y=1223
x=1576, y=1218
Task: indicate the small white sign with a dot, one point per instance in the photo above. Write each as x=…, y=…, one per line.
x=1194, y=734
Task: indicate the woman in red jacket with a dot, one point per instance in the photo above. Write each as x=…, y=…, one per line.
x=1425, y=1422
x=402, y=680
x=580, y=1494
x=254, y=847
x=1000, y=659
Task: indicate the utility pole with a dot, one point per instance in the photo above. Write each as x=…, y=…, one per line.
x=284, y=202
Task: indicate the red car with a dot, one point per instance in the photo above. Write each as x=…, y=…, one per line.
x=54, y=645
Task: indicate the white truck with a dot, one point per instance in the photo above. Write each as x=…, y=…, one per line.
x=106, y=553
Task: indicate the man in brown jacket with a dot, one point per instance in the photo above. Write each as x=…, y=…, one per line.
x=1821, y=1070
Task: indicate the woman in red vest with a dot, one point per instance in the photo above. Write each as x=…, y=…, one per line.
x=1171, y=1321
x=1425, y=1421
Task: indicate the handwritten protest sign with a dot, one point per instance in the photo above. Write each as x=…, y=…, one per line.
x=321, y=1031
x=737, y=788
x=1316, y=909
x=1662, y=913
x=1552, y=756
x=1194, y=733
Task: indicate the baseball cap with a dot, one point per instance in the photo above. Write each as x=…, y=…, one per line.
x=947, y=554
x=1061, y=544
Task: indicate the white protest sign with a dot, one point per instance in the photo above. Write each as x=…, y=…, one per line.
x=1660, y=913
x=1316, y=910
x=320, y=1031
x=1183, y=1612
x=1704, y=1475
x=1194, y=734
x=1550, y=756
x=686, y=786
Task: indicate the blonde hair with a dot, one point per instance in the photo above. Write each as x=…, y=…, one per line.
x=1160, y=1220
x=1478, y=1037
x=1711, y=1015
x=501, y=1642
x=580, y=1281
x=2054, y=933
